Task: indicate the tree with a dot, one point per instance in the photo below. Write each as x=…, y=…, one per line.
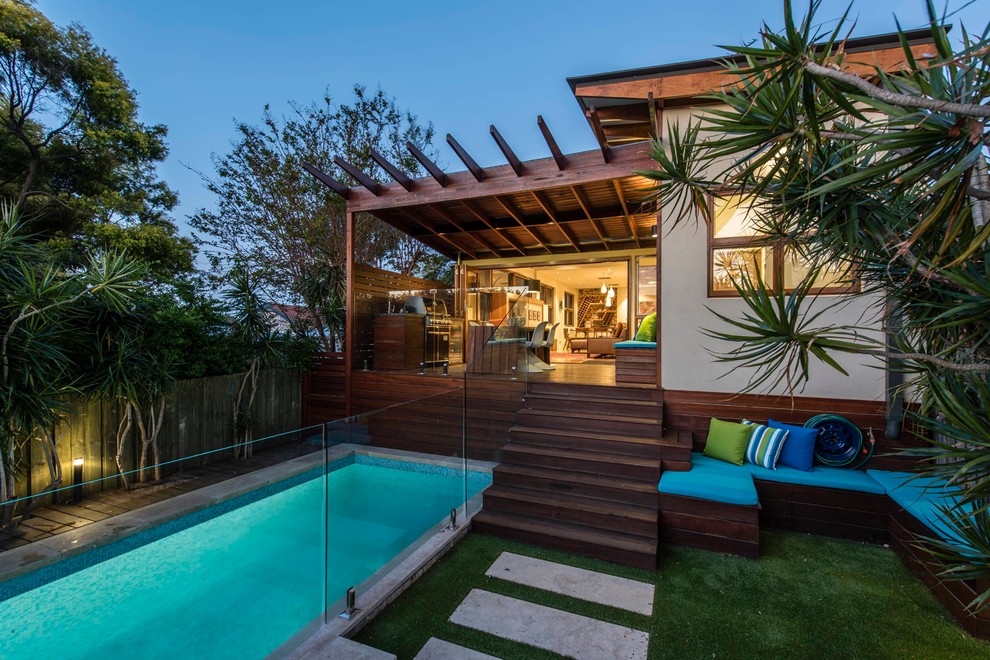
x=43, y=313
x=261, y=347
x=886, y=176
x=287, y=225
x=73, y=155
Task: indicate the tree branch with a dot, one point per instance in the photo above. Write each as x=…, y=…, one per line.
x=968, y=367
x=893, y=98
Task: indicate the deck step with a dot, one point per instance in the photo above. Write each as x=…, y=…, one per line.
x=605, y=391
x=609, y=546
x=601, y=405
x=573, y=509
x=591, y=462
x=612, y=489
x=645, y=446
x=590, y=420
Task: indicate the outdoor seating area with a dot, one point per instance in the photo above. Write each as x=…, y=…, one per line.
x=721, y=505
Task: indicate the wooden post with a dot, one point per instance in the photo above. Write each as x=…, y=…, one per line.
x=658, y=118
x=349, y=316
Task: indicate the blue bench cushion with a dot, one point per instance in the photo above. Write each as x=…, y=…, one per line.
x=711, y=479
x=635, y=344
x=820, y=476
x=922, y=497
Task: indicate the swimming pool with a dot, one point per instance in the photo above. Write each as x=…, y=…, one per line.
x=237, y=579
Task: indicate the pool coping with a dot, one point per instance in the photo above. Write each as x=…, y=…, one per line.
x=48, y=551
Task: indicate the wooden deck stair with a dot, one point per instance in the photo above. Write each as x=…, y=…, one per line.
x=580, y=472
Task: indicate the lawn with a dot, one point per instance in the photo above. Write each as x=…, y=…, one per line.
x=807, y=597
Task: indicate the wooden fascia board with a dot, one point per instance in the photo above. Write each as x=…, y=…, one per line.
x=706, y=82
x=542, y=174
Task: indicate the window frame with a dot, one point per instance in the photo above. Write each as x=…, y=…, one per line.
x=777, y=257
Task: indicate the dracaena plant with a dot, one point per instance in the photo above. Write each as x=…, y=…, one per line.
x=882, y=175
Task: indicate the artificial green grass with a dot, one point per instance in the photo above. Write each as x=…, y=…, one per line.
x=807, y=597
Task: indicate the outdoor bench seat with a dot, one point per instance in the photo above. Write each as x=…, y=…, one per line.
x=713, y=506
x=636, y=362
x=922, y=497
x=632, y=343
x=915, y=514
x=710, y=479
x=821, y=476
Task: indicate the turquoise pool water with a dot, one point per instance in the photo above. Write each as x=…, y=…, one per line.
x=236, y=580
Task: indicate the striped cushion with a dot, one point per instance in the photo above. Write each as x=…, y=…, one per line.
x=764, y=445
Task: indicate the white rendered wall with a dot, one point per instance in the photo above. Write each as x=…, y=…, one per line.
x=687, y=363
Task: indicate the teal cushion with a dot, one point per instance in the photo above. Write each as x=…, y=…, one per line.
x=711, y=479
x=821, y=476
x=799, y=450
x=727, y=441
x=647, y=329
x=923, y=498
x=635, y=344
x=764, y=445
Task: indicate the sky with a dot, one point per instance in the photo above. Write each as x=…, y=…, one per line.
x=199, y=65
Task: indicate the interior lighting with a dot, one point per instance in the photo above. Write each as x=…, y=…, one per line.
x=604, y=288
x=611, y=292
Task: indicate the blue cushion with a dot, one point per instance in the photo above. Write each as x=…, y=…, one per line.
x=821, y=476
x=922, y=497
x=635, y=344
x=711, y=479
x=799, y=450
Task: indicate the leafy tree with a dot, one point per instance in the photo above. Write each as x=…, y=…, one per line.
x=885, y=175
x=274, y=216
x=74, y=159
x=43, y=314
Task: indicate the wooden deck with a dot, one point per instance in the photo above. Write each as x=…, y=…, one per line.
x=45, y=522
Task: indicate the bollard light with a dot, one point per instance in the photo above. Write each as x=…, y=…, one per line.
x=77, y=479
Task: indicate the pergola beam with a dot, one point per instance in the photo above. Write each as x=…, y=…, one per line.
x=425, y=224
x=555, y=151
x=541, y=174
x=477, y=212
x=477, y=238
x=430, y=166
x=506, y=150
x=328, y=181
x=401, y=177
x=476, y=170
x=359, y=176
x=548, y=209
x=625, y=211
x=586, y=208
x=516, y=215
x=596, y=127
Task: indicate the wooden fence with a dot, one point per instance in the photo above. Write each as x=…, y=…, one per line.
x=198, y=418
x=324, y=390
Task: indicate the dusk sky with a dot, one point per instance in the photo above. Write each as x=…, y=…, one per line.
x=199, y=65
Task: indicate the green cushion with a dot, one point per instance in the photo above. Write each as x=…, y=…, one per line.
x=727, y=441
x=709, y=479
x=648, y=329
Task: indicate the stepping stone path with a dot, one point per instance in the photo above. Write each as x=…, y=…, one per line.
x=575, y=582
x=545, y=627
x=437, y=649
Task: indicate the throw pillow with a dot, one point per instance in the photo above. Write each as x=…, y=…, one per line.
x=799, y=450
x=727, y=441
x=648, y=329
x=765, y=445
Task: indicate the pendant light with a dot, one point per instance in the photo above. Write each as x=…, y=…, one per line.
x=608, y=302
x=604, y=288
x=611, y=292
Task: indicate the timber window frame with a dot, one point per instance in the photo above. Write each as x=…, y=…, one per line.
x=761, y=255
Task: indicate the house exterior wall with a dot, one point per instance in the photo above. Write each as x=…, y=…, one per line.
x=686, y=309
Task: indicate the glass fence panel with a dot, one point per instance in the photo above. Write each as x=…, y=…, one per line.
x=164, y=580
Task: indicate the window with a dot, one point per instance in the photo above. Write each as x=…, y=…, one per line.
x=568, y=308
x=735, y=248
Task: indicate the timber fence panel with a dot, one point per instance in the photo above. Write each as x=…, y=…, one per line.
x=198, y=418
